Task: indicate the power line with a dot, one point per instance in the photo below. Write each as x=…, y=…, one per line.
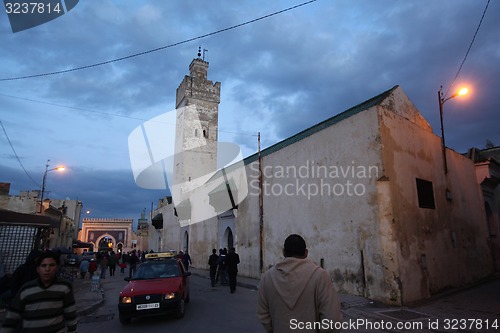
x=159, y=48
x=470, y=46
x=17, y=157
x=72, y=107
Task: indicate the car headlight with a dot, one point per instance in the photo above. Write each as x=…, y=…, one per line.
x=126, y=300
x=170, y=296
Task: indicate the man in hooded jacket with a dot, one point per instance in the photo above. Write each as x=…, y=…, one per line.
x=297, y=295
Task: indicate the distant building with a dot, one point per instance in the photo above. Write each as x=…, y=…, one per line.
x=109, y=234
x=26, y=225
x=143, y=232
x=368, y=191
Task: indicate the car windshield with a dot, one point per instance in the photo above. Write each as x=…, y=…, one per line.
x=157, y=270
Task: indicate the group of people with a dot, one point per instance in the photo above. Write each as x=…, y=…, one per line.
x=224, y=267
x=108, y=262
x=102, y=262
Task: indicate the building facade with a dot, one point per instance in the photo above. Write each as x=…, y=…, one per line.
x=67, y=212
x=26, y=224
x=109, y=234
x=368, y=191
x=142, y=234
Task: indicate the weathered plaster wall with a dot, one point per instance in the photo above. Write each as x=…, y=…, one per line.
x=438, y=248
x=247, y=225
x=21, y=204
x=305, y=192
x=170, y=234
x=202, y=239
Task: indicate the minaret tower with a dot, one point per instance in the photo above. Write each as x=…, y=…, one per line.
x=197, y=104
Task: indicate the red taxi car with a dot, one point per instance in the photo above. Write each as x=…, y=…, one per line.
x=159, y=286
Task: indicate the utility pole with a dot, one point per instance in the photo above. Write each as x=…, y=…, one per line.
x=261, y=211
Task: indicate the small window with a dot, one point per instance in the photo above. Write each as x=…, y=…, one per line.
x=196, y=132
x=205, y=134
x=425, y=194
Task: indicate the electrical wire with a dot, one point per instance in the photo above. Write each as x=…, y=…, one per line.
x=159, y=48
x=17, y=157
x=71, y=107
x=468, y=50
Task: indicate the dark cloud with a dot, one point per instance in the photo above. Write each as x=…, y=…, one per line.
x=109, y=194
x=279, y=76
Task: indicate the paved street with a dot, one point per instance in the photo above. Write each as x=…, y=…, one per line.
x=476, y=309
x=211, y=310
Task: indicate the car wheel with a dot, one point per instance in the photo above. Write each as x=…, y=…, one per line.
x=181, y=309
x=125, y=320
x=188, y=297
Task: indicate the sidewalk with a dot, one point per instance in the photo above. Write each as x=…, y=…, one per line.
x=86, y=299
x=475, y=309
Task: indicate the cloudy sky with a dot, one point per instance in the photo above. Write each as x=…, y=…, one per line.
x=279, y=75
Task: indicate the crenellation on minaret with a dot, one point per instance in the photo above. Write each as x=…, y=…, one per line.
x=196, y=88
x=198, y=68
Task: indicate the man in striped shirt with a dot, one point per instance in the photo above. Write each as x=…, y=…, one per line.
x=43, y=305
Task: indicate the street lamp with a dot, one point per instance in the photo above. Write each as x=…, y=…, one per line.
x=59, y=168
x=442, y=100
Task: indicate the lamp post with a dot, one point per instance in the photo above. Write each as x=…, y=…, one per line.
x=441, y=101
x=47, y=170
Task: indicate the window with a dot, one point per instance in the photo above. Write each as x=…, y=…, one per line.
x=425, y=194
x=196, y=132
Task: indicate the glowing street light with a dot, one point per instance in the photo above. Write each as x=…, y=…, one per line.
x=442, y=100
x=463, y=91
x=47, y=170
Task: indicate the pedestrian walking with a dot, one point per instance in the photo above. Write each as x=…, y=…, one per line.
x=92, y=267
x=232, y=261
x=46, y=304
x=123, y=260
x=84, y=268
x=104, y=266
x=132, y=260
x=221, y=267
x=297, y=289
x=212, y=262
x=186, y=259
x=122, y=265
x=113, y=259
